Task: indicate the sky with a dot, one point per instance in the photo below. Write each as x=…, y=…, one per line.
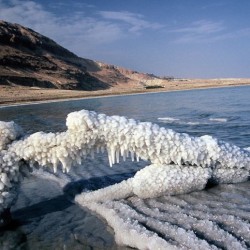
x=180, y=38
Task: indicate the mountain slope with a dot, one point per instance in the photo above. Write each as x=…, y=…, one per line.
x=28, y=58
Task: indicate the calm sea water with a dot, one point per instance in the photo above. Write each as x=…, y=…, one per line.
x=223, y=112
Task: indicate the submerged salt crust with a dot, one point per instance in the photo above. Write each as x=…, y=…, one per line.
x=180, y=164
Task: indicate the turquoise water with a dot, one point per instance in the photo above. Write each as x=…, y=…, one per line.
x=222, y=112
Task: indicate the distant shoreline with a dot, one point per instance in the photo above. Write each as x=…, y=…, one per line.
x=15, y=96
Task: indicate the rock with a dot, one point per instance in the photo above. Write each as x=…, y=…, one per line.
x=28, y=58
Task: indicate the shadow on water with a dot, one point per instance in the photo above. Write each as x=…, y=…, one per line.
x=94, y=183
x=25, y=215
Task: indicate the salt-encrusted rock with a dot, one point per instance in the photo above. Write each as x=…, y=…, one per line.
x=9, y=132
x=180, y=163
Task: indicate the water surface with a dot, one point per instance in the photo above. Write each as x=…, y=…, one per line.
x=221, y=112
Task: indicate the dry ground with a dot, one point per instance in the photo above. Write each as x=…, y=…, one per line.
x=18, y=94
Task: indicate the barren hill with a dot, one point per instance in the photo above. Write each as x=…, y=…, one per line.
x=28, y=58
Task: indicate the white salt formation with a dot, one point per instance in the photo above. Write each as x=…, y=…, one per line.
x=180, y=163
x=9, y=131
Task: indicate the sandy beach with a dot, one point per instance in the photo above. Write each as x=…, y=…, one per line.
x=18, y=94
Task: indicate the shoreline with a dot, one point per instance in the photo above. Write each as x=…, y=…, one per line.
x=74, y=95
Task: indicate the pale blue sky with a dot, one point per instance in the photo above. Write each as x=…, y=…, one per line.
x=181, y=38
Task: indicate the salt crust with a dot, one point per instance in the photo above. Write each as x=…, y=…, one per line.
x=180, y=163
x=186, y=162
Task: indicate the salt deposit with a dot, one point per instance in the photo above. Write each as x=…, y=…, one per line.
x=180, y=163
x=194, y=160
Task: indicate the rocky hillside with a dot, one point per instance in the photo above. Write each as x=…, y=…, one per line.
x=28, y=58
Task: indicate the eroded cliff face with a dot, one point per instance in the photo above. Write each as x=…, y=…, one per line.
x=30, y=59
